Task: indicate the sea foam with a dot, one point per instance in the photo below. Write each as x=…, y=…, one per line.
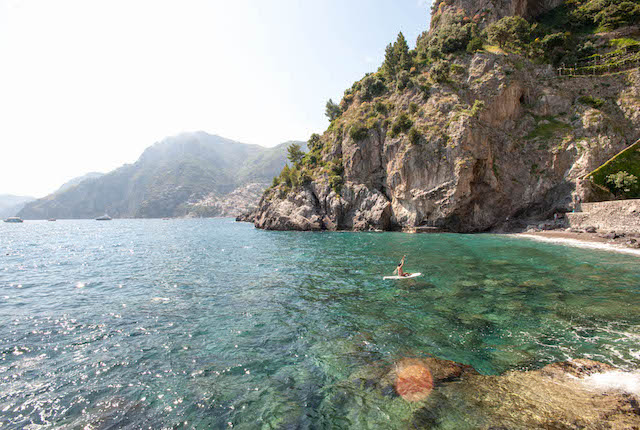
x=615, y=380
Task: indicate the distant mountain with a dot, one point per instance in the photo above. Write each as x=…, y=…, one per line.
x=174, y=177
x=75, y=181
x=10, y=205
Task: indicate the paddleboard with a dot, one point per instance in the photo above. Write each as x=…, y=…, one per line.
x=413, y=275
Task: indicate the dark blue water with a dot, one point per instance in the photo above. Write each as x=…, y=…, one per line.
x=213, y=324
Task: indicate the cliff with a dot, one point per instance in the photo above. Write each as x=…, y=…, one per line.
x=462, y=141
x=186, y=175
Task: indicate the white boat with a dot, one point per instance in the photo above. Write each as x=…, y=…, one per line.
x=13, y=219
x=104, y=217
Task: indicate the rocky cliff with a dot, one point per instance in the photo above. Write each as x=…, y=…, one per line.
x=499, y=139
x=488, y=11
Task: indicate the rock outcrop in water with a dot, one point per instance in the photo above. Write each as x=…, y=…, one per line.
x=477, y=142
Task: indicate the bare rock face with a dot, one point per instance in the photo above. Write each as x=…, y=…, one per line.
x=492, y=10
x=520, y=155
x=318, y=207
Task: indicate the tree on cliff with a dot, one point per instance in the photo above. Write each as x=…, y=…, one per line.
x=294, y=154
x=314, y=143
x=397, y=57
x=401, y=52
x=510, y=30
x=332, y=111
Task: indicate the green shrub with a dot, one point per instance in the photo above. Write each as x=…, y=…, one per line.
x=586, y=49
x=336, y=182
x=372, y=86
x=358, y=132
x=413, y=107
x=617, y=14
x=315, y=143
x=450, y=35
x=594, y=102
x=380, y=107
x=439, y=71
x=285, y=175
x=310, y=160
x=305, y=178
x=623, y=184
x=404, y=78
x=401, y=125
x=456, y=69
x=510, y=31
x=276, y=181
x=474, y=45
x=335, y=168
x=477, y=107
x=426, y=90
x=414, y=136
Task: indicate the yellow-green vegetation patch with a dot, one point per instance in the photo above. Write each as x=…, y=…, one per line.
x=594, y=102
x=623, y=42
x=546, y=128
x=618, y=173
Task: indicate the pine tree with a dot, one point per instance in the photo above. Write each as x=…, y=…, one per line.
x=294, y=153
x=401, y=53
x=390, y=61
x=332, y=111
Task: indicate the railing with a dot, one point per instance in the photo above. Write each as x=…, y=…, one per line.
x=624, y=59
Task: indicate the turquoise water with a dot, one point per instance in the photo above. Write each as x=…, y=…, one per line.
x=212, y=324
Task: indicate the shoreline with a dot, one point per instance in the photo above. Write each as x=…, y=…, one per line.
x=578, y=240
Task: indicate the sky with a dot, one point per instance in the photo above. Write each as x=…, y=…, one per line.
x=87, y=85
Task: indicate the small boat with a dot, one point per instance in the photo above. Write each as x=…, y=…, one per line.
x=104, y=217
x=13, y=219
x=51, y=219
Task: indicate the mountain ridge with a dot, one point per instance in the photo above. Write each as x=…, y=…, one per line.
x=168, y=179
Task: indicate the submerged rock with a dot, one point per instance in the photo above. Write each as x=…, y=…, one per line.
x=413, y=380
x=575, y=394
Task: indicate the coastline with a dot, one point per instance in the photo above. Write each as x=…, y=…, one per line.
x=580, y=240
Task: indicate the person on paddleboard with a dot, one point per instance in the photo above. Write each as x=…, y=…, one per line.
x=399, y=268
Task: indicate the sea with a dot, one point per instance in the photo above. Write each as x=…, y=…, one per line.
x=209, y=323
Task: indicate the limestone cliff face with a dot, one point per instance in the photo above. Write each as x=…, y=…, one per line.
x=488, y=11
x=471, y=169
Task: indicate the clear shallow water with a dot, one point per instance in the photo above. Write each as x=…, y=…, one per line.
x=203, y=323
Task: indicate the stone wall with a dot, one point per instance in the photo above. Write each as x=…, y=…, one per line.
x=618, y=215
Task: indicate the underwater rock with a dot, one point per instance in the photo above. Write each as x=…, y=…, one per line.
x=414, y=382
x=567, y=395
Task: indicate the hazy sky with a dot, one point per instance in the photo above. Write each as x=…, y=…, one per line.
x=86, y=85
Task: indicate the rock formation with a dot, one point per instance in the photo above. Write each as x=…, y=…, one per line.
x=492, y=10
x=469, y=173
x=500, y=140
